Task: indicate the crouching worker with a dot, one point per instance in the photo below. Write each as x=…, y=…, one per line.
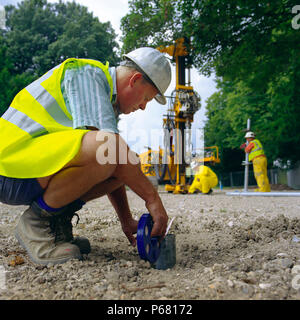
x=60, y=148
x=205, y=179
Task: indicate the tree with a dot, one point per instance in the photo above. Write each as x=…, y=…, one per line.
x=148, y=23
x=10, y=83
x=254, y=52
x=40, y=35
x=274, y=115
x=224, y=34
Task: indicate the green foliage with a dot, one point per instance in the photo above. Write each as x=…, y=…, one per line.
x=10, y=83
x=41, y=35
x=275, y=116
x=255, y=54
x=148, y=23
x=235, y=37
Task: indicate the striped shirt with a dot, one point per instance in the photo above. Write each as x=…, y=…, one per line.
x=87, y=96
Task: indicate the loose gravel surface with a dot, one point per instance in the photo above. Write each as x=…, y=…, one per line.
x=227, y=247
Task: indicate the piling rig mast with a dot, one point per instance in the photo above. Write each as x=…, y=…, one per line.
x=183, y=104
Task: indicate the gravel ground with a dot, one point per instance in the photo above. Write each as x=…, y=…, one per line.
x=227, y=247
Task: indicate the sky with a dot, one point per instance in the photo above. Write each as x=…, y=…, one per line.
x=133, y=126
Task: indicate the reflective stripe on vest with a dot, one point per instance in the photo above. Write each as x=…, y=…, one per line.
x=43, y=97
x=25, y=123
x=257, y=150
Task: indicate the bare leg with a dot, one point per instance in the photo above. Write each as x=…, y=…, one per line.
x=103, y=188
x=79, y=176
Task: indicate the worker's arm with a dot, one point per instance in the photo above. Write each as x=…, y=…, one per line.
x=132, y=176
x=118, y=199
x=249, y=147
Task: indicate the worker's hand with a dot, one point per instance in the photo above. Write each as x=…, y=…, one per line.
x=129, y=228
x=243, y=146
x=159, y=216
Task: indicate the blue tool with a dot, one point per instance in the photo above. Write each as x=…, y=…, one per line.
x=148, y=248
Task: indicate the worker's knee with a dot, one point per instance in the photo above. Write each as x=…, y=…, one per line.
x=104, y=149
x=114, y=150
x=98, y=147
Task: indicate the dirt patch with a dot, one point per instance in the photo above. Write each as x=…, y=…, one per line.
x=227, y=247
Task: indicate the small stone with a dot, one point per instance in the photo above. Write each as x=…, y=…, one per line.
x=40, y=280
x=208, y=270
x=123, y=262
x=282, y=255
x=286, y=263
x=296, y=269
x=230, y=283
x=110, y=287
x=265, y=285
x=245, y=289
x=217, y=267
x=166, y=292
x=100, y=289
x=129, y=264
x=132, y=272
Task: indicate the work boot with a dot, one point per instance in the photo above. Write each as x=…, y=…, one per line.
x=67, y=227
x=64, y=228
x=37, y=233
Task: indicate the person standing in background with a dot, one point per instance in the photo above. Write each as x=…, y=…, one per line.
x=259, y=161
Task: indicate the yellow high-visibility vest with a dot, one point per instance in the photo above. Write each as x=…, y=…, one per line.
x=36, y=134
x=257, y=150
